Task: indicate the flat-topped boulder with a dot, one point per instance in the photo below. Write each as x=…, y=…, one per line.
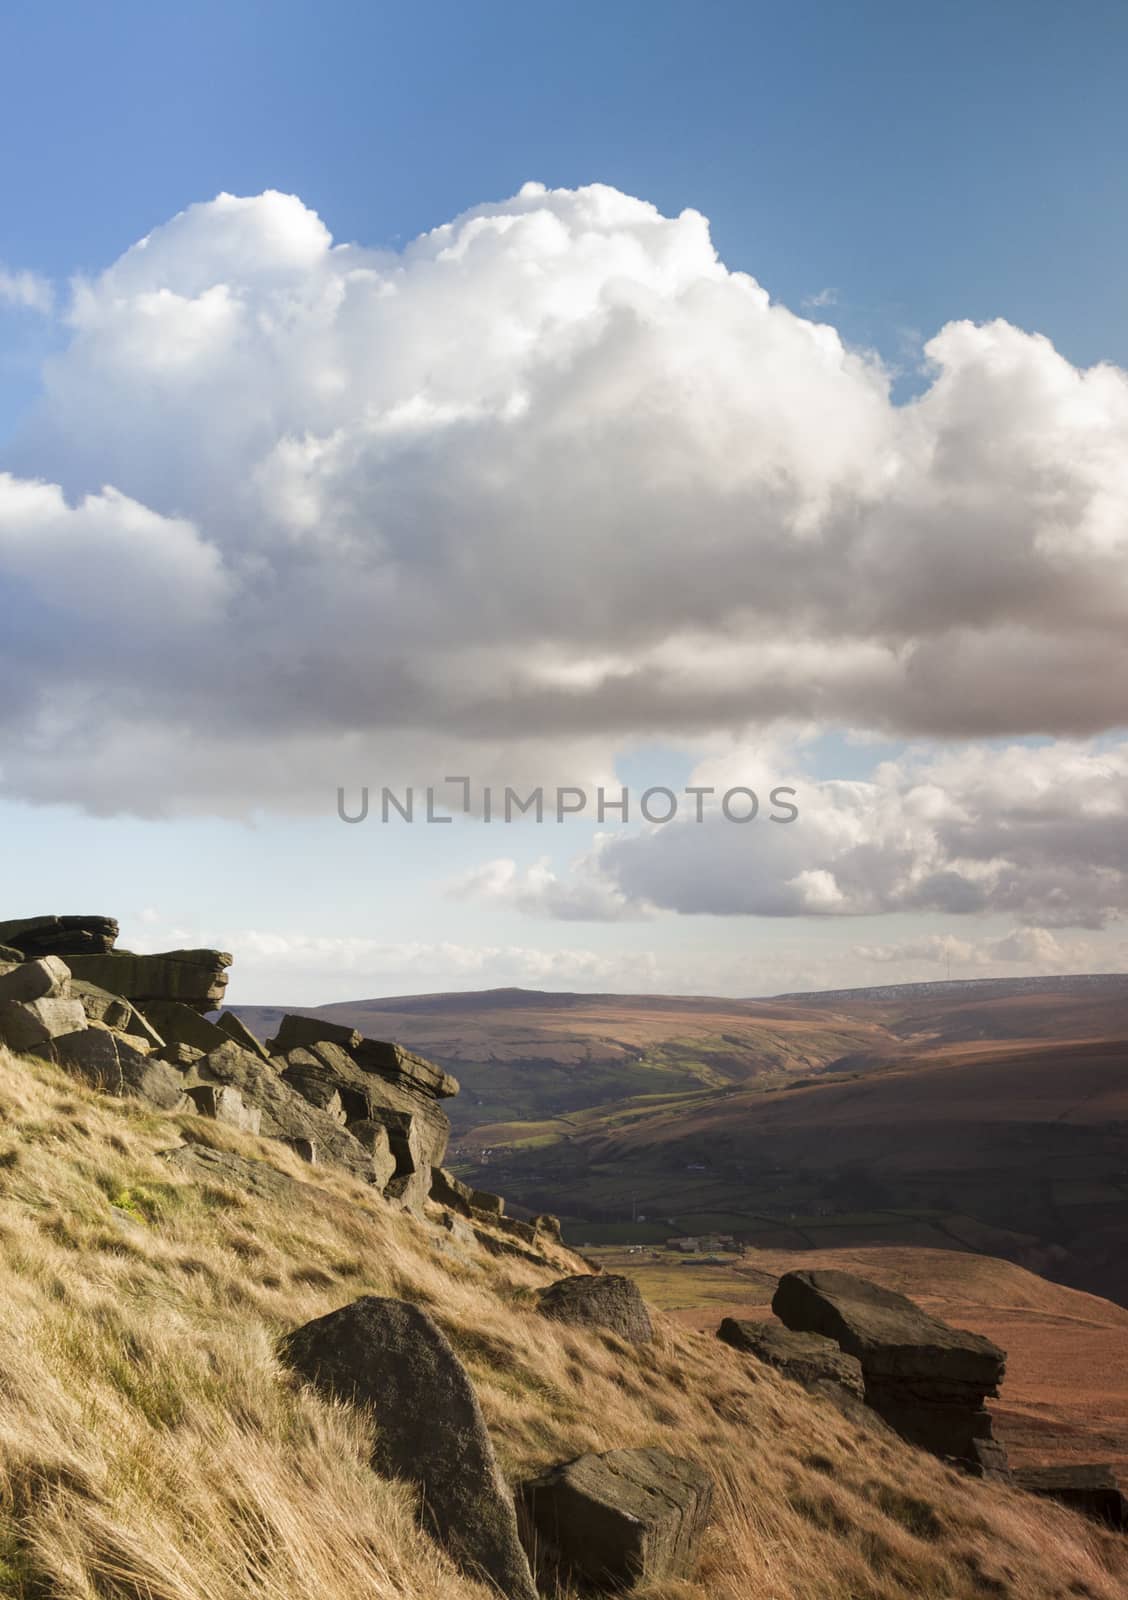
x=59, y=936
x=608, y=1302
x=296, y=1030
x=926, y=1379
x=197, y=978
x=616, y=1520
x=1097, y=1490
x=890, y=1335
x=805, y=1358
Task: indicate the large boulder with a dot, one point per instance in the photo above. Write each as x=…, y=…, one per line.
x=180, y=1024
x=237, y=1029
x=927, y=1380
x=198, y=978
x=391, y=1357
x=616, y=1520
x=403, y=1067
x=46, y=978
x=200, y=1161
x=105, y=1061
x=285, y=1114
x=59, y=936
x=607, y=1302
x=810, y=1359
x=447, y=1190
x=112, y=1011
x=27, y=1024
x=1096, y=1490
x=296, y=1030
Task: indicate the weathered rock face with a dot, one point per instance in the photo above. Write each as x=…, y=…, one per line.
x=224, y=1166
x=197, y=978
x=806, y=1358
x=46, y=978
x=1096, y=1490
x=392, y=1357
x=324, y=1082
x=225, y=1104
x=927, y=1380
x=235, y=1028
x=607, y=1302
x=59, y=936
x=284, y=1113
x=105, y=1061
x=27, y=1024
x=615, y=1520
x=180, y=1024
x=447, y=1190
x=329, y=1075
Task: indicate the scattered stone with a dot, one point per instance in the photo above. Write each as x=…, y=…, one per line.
x=616, y=1520
x=196, y=977
x=10, y=957
x=224, y=1103
x=181, y=1024
x=515, y=1228
x=608, y=1302
x=1095, y=1490
x=392, y=1357
x=447, y=1190
x=295, y=1030
x=549, y=1226
x=107, y=1062
x=305, y=1149
x=490, y=1205
x=46, y=978
x=237, y=1029
x=928, y=1381
x=59, y=936
x=25, y=1025
x=806, y=1358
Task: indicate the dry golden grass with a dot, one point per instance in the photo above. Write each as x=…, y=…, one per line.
x=151, y=1447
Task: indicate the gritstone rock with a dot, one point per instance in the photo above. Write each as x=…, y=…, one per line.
x=608, y=1302
x=927, y=1380
x=391, y=1357
x=620, y=1519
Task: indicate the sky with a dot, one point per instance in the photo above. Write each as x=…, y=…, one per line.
x=647, y=397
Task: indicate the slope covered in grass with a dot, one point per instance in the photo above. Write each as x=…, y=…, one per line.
x=152, y=1447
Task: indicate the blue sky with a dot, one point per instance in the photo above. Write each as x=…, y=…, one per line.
x=879, y=168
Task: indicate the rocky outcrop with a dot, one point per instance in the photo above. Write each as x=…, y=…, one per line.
x=928, y=1381
x=392, y=1358
x=809, y=1359
x=46, y=978
x=235, y=1028
x=197, y=978
x=616, y=1520
x=223, y=1103
x=1097, y=1491
x=608, y=1302
x=106, y=1061
x=59, y=936
x=25, y=1025
x=284, y=1113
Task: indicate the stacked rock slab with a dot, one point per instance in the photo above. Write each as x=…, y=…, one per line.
x=378, y=1091
x=928, y=1381
x=612, y=1521
x=810, y=1359
x=196, y=978
x=59, y=936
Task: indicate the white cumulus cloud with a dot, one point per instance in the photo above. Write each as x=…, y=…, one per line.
x=552, y=472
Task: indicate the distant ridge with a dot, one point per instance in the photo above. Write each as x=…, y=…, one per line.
x=982, y=988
